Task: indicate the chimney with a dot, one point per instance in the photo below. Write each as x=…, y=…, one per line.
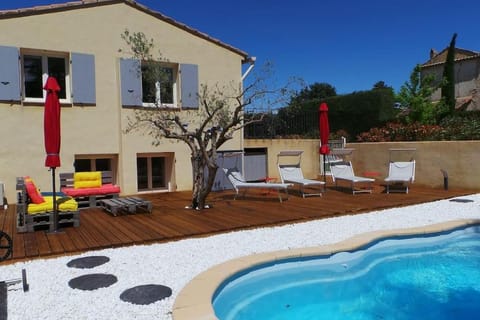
x=433, y=53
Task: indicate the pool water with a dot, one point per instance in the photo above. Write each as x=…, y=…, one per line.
x=429, y=277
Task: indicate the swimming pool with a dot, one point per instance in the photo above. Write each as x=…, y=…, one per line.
x=435, y=276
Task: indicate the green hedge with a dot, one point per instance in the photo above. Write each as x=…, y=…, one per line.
x=351, y=113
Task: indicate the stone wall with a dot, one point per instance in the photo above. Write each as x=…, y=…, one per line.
x=460, y=159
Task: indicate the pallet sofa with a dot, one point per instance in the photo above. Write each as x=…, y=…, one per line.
x=89, y=188
x=35, y=209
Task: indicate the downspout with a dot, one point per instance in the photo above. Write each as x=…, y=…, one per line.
x=251, y=61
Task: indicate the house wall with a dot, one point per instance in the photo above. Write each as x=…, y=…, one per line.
x=310, y=157
x=467, y=77
x=99, y=129
x=458, y=158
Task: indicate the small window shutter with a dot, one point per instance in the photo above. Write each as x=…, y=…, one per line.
x=9, y=74
x=189, y=85
x=83, y=78
x=131, y=82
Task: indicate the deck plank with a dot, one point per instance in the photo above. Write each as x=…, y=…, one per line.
x=170, y=220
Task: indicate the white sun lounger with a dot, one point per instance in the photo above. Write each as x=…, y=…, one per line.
x=293, y=174
x=239, y=183
x=344, y=172
x=401, y=174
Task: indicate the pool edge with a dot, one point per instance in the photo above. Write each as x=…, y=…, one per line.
x=194, y=301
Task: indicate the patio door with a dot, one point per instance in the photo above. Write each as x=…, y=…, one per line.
x=153, y=172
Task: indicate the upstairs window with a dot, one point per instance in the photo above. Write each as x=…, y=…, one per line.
x=37, y=68
x=23, y=72
x=159, y=85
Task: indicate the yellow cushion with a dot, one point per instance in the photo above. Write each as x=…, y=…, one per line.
x=64, y=204
x=87, y=179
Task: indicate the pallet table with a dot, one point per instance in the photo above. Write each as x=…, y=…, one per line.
x=128, y=205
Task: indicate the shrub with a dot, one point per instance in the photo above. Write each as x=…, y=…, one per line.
x=400, y=132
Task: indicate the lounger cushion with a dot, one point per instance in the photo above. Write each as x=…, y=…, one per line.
x=32, y=191
x=237, y=176
x=47, y=206
x=87, y=179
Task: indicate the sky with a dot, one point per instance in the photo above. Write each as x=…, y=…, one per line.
x=349, y=44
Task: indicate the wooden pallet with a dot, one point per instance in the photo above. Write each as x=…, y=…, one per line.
x=129, y=205
x=40, y=221
x=90, y=201
x=45, y=221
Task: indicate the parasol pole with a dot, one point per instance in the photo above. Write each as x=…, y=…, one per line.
x=55, y=210
x=324, y=170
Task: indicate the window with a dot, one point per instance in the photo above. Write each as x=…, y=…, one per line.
x=151, y=172
x=37, y=68
x=85, y=163
x=25, y=71
x=147, y=84
x=159, y=85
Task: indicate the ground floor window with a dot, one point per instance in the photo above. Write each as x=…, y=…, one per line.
x=151, y=172
x=85, y=163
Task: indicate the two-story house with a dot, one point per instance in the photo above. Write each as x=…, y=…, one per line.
x=467, y=76
x=80, y=43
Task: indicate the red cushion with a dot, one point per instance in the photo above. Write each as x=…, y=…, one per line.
x=33, y=193
x=110, y=188
x=83, y=192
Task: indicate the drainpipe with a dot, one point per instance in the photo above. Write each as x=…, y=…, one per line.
x=250, y=60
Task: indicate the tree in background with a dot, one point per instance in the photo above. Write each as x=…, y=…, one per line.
x=204, y=131
x=381, y=85
x=318, y=91
x=448, y=85
x=415, y=97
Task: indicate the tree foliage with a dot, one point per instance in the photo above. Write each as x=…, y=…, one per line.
x=415, y=97
x=204, y=131
x=381, y=85
x=448, y=86
x=316, y=91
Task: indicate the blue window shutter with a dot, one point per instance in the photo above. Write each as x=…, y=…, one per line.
x=83, y=78
x=9, y=74
x=131, y=82
x=189, y=85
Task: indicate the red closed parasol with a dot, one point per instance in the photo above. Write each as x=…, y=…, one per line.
x=51, y=130
x=51, y=125
x=324, y=129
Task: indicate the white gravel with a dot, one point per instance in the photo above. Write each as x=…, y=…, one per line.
x=174, y=264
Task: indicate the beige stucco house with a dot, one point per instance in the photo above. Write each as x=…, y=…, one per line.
x=467, y=76
x=80, y=43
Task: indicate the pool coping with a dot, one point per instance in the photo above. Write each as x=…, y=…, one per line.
x=194, y=301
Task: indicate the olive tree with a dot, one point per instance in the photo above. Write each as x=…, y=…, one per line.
x=204, y=130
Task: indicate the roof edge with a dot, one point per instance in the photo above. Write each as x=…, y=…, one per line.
x=45, y=9
x=456, y=60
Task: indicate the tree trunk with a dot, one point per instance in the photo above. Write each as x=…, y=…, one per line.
x=202, y=181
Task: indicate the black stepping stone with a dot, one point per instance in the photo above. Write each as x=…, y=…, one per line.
x=92, y=281
x=461, y=200
x=146, y=294
x=88, y=262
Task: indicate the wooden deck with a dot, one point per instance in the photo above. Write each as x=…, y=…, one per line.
x=170, y=220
